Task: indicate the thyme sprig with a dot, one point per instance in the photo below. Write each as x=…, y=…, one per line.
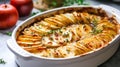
x=95, y=30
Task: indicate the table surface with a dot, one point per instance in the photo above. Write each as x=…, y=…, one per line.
x=9, y=57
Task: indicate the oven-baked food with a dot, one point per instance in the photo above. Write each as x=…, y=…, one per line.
x=69, y=34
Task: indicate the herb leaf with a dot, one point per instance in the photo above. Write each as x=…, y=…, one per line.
x=96, y=31
x=9, y=33
x=54, y=4
x=71, y=2
x=2, y=61
x=34, y=13
x=66, y=34
x=80, y=2
x=51, y=31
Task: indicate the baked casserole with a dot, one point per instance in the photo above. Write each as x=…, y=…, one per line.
x=69, y=33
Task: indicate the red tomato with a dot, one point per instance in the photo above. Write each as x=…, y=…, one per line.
x=24, y=7
x=8, y=16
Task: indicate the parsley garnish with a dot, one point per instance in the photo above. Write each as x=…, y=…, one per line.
x=51, y=31
x=67, y=40
x=94, y=24
x=34, y=13
x=96, y=31
x=2, y=61
x=60, y=30
x=9, y=33
x=66, y=34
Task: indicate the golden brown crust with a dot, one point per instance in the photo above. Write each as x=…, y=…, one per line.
x=68, y=34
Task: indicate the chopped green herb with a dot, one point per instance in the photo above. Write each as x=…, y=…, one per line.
x=66, y=40
x=9, y=33
x=34, y=13
x=2, y=61
x=51, y=31
x=66, y=34
x=96, y=31
x=60, y=30
x=95, y=22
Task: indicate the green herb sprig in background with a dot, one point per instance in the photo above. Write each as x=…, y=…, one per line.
x=71, y=2
x=55, y=4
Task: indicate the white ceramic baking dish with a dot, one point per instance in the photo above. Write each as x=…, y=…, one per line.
x=26, y=59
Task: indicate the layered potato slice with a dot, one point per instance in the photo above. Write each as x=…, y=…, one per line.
x=68, y=34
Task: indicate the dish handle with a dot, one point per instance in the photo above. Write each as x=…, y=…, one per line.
x=16, y=49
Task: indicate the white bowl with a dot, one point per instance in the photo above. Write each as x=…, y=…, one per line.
x=26, y=59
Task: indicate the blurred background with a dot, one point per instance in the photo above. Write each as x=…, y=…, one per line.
x=114, y=3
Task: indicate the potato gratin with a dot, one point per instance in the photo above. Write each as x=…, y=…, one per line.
x=68, y=34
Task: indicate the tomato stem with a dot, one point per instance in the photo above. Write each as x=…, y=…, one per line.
x=4, y=1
